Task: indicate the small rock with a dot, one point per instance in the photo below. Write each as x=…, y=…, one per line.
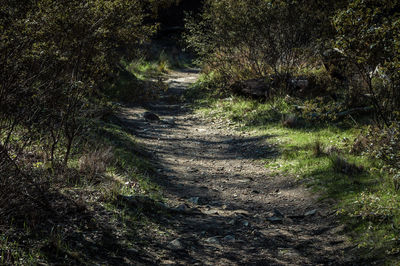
x=181, y=208
x=215, y=203
x=151, y=116
x=210, y=212
x=310, y=213
x=175, y=245
x=278, y=213
x=212, y=240
x=170, y=121
x=194, y=200
x=132, y=250
x=275, y=219
x=229, y=238
x=232, y=222
x=245, y=223
x=241, y=212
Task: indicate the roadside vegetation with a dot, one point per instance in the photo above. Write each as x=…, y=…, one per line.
x=321, y=79
x=72, y=174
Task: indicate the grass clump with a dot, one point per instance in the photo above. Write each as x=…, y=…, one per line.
x=317, y=149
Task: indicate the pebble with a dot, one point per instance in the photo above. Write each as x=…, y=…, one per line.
x=175, y=245
x=274, y=219
x=212, y=240
x=229, y=238
x=278, y=213
x=151, y=116
x=310, y=213
x=194, y=200
x=182, y=207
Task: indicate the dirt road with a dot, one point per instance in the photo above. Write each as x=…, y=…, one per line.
x=232, y=210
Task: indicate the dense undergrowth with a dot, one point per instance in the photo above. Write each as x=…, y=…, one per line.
x=81, y=213
x=68, y=167
x=323, y=154
x=88, y=221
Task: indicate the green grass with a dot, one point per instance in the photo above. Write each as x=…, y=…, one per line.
x=144, y=69
x=10, y=251
x=317, y=153
x=160, y=62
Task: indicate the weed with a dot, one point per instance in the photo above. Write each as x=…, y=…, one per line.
x=12, y=254
x=359, y=145
x=95, y=163
x=317, y=149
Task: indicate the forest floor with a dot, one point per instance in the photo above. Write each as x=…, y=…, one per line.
x=230, y=208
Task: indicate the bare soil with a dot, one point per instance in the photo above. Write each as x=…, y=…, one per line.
x=230, y=209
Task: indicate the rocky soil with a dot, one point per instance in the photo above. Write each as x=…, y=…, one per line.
x=227, y=208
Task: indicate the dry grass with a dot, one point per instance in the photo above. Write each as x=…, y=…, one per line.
x=95, y=163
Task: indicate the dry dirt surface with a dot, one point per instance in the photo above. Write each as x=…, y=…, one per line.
x=228, y=208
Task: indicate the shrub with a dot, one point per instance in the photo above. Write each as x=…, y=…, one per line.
x=384, y=144
x=56, y=57
x=250, y=39
x=367, y=34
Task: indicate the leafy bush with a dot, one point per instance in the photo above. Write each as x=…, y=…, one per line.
x=384, y=144
x=249, y=39
x=367, y=34
x=56, y=59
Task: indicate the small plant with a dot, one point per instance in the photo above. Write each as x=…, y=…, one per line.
x=95, y=163
x=359, y=145
x=384, y=144
x=318, y=148
x=111, y=193
x=396, y=181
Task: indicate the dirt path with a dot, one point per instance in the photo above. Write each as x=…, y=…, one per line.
x=232, y=211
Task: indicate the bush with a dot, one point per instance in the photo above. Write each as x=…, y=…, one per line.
x=367, y=34
x=56, y=58
x=384, y=144
x=251, y=39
